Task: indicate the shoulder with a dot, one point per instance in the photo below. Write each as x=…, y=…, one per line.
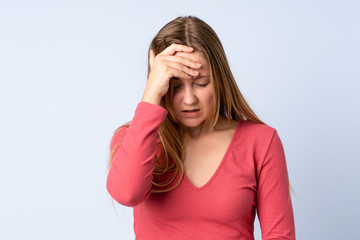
x=255, y=140
x=258, y=132
x=255, y=137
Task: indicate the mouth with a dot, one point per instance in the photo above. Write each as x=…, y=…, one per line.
x=191, y=110
x=191, y=113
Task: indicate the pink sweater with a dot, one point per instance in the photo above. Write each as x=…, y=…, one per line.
x=252, y=177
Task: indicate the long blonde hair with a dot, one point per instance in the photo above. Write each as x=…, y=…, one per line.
x=228, y=100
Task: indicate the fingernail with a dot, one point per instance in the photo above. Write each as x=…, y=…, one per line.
x=196, y=72
x=198, y=64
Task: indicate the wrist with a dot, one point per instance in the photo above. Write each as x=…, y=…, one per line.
x=151, y=98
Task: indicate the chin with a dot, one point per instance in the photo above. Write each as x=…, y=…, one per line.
x=191, y=123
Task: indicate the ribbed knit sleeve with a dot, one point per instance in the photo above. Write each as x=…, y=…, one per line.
x=130, y=175
x=273, y=202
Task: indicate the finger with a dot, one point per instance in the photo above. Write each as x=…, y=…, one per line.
x=176, y=73
x=175, y=66
x=151, y=58
x=173, y=48
x=183, y=60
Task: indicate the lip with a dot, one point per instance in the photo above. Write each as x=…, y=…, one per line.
x=193, y=113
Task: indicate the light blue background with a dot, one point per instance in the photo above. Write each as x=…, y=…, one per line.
x=72, y=71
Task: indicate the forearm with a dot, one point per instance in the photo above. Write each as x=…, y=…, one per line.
x=130, y=176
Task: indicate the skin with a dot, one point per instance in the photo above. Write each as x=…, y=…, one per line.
x=165, y=66
x=189, y=70
x=176, y=61
x=194, y=93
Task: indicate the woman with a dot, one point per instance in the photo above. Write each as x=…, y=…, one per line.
x=196, y=162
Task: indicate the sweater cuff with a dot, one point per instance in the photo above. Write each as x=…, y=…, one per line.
x=152, y=107
x=149, y=114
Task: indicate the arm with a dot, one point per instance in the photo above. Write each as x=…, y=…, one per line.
x=273, y=202
x=130, y=175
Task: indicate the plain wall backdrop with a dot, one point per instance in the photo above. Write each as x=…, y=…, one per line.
x=72, y=71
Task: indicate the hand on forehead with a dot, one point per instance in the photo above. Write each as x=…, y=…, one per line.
x=198, y=57
x=195, y=56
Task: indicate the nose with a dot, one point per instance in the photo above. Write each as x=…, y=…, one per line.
x=190, y=96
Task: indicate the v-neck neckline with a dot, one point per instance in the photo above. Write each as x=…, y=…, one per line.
x=220, y=165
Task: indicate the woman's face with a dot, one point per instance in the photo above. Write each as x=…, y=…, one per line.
x=193, y=98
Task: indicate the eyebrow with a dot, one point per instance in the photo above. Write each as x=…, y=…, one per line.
x=195, y=78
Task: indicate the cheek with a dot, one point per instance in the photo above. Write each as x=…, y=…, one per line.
x=209, y=98
x=175, y=101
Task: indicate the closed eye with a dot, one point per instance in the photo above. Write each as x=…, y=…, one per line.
x=177, y=87
x=203, y=85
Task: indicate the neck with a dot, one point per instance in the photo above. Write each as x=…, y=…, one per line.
x=202, y=131
x=195, y=132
